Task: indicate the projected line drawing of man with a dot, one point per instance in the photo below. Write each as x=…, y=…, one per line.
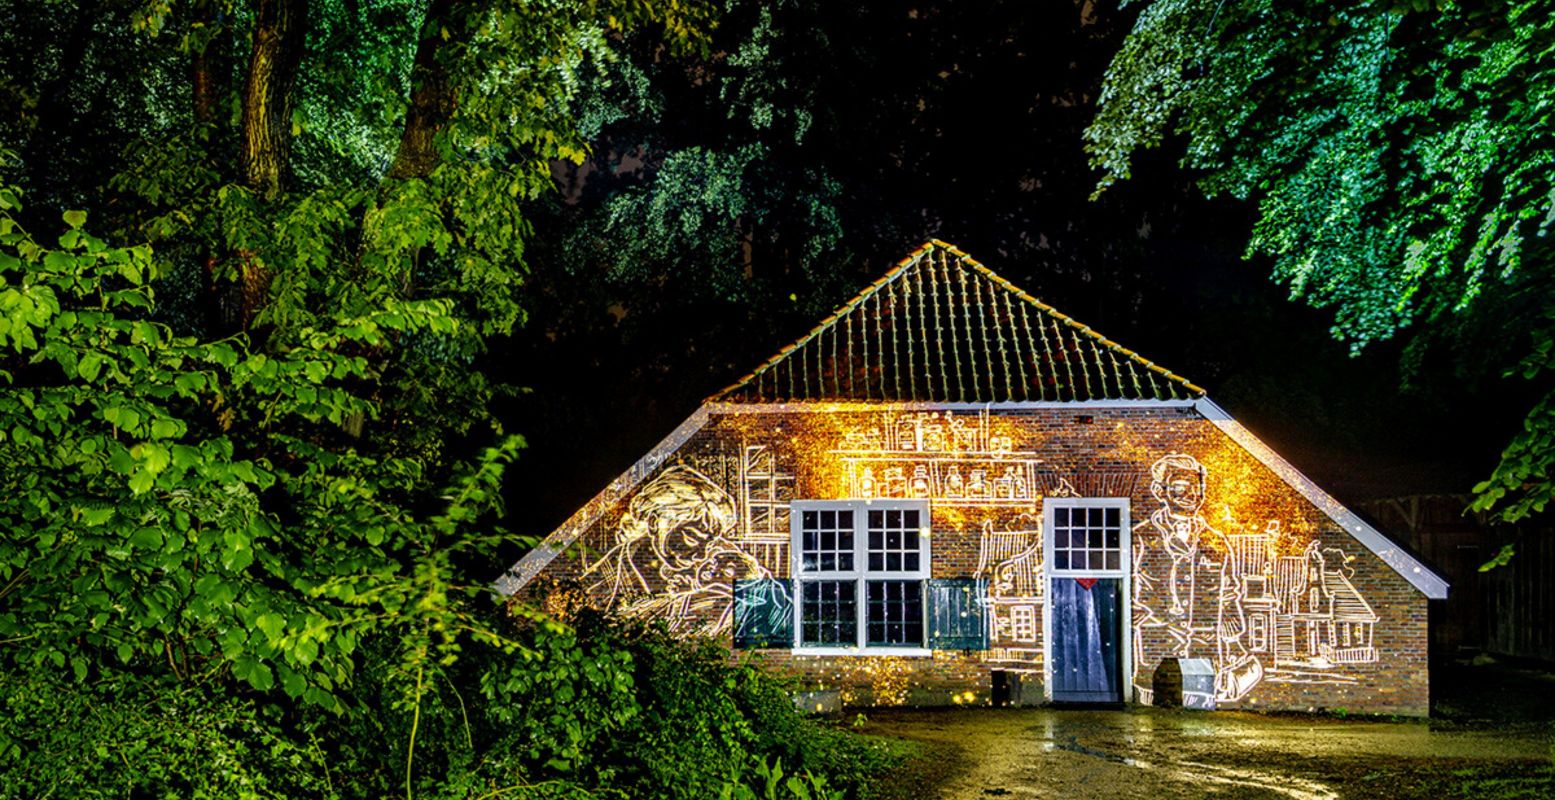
x=683, y=523
x=1187, y=596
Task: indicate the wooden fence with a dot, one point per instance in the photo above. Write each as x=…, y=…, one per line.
x=1508, y=610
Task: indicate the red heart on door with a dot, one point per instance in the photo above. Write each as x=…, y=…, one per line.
x=1086, y=583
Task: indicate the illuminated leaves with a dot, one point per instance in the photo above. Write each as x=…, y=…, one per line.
x=185, y=503
x=1401, y=158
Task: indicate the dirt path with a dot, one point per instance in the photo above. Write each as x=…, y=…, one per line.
x=980, y=754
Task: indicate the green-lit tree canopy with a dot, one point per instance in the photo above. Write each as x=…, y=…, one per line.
x=1403, y=162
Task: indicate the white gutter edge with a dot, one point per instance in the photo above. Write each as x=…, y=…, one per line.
x=552, y=546
x=844, y=406
x=1428, y=582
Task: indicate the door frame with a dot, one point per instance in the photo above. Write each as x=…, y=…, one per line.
x=1125, y=587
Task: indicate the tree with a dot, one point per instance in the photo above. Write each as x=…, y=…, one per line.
x=242, y=434
x=1401, y=158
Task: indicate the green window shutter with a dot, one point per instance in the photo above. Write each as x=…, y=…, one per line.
x=763, y=613
x=957, y=614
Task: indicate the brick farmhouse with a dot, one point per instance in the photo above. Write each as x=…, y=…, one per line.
x=949, y=492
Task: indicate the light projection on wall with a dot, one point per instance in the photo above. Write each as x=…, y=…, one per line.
x=954, y=460
x=1011, y=562
x=1256, y=613
x=1266, y=601
x=685, y=528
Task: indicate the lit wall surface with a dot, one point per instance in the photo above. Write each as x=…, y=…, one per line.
x=1229, y=562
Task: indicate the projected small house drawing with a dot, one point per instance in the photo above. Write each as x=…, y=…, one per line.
x=949, y=488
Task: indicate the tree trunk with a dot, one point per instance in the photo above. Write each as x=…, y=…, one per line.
x=279, y=28
x=208, y=65
x=432, y=100
x=279, y=35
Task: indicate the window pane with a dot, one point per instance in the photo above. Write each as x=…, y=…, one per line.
x=829, y=613
x=895, y=613
x=1061, y=516
x=1093, y=538
x=826, y=541
x=894, y=541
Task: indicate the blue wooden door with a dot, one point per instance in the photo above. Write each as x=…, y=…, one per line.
x=1086, y=636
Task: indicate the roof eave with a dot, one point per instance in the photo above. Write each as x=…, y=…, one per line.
x=1429, y=583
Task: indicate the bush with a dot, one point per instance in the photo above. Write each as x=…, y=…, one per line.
x=595, y=711
x=634, y=710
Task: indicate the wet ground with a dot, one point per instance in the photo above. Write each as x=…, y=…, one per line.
x=1493, y=737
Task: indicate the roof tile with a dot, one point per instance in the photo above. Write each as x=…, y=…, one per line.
x=942, y=327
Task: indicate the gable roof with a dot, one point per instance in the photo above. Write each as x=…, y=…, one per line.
x=890, y=344
x=941, y=327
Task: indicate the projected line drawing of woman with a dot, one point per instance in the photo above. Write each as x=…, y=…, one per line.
x=683, y=523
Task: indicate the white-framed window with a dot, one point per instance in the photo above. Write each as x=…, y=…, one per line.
x=1088, y=536
x=859, y=569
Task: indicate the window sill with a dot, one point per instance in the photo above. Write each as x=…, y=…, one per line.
x=856, y=652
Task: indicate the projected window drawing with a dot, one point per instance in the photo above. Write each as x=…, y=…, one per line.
x=765, y=491
x=953, y=459
x=1232, y=598
x=860, y=567
x=675, y=555
x=1011, y=562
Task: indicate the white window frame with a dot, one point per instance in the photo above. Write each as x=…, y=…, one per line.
x=1125, y=572
x=860, y=574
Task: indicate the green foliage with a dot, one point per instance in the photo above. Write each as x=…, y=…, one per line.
x=1401, y=159
x=251, y=483
x=130, y=736
x=701, y=182
x=636, y=711
x=173, y=501
x=571, y=715
x=1502, y=557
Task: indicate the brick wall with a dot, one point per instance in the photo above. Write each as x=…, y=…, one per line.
x=1291, y=611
